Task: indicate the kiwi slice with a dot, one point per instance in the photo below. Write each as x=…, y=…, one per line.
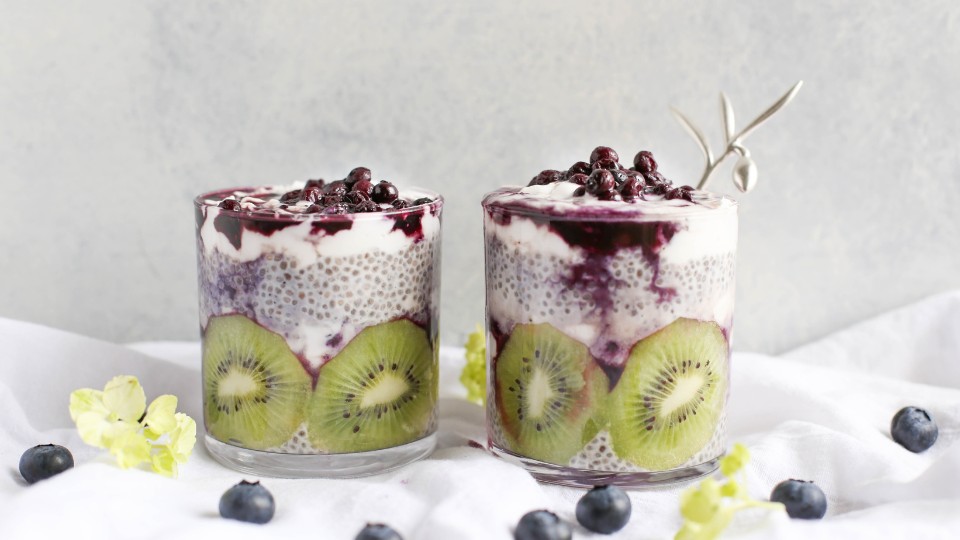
x=379, y=392
x=255, y=389
x=547, y=388
x=669, y=400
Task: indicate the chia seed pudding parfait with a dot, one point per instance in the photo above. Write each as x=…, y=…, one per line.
x=319, y=322
x=609, y=303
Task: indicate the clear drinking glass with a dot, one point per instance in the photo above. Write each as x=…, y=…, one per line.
x=608, y=337
x=319, y=331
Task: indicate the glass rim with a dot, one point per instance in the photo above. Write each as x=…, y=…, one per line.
x=200, y=201
x=567, y=211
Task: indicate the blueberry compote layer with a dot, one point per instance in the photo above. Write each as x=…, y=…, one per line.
x=311, y=267
x=612, y=258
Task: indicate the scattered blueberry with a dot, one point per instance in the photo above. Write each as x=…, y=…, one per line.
x=400, y=204
x=313, y=209
x=291, y=196
x=580, y=191
x=358, y=174
x=546, y=177
x=330, y=200
x=378, y=531
x=678, y=193
x=230, y=204
x=541, y=525
x=580, y=167
x=384, y=192
x=337, y=209
x=43, y=461
x=619, y=176
x=314, y=183
x=599, y=181
x=803, y=499
x=422, y=200
x=604, y=509
x=247, y=501
x=603, y=152
x=578, y=178
x=366, y=206
x=644, y=162
x=914, y=429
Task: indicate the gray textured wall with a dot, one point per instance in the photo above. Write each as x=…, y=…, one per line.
x=114, y=114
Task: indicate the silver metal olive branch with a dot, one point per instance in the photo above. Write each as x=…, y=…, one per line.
x=745, y=170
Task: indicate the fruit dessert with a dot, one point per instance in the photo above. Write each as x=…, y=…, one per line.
x=318, y=311
x=609, y=309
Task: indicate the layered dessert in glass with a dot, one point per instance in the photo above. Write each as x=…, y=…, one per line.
x=319, y=314
x=609, y=297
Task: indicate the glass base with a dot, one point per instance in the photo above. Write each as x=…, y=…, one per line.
x=319, y=465
x=586, y=478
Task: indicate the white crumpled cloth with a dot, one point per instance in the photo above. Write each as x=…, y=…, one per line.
x=821, y=412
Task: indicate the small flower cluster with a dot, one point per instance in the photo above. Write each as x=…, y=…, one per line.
x=117, y=418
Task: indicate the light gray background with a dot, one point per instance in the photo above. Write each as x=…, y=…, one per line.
x=114, y=114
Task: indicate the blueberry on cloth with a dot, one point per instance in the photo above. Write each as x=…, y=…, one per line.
x=803, y=499
x=541, y=525
x=604, y=509
x=378, y=531
x=914, y=429
x=247, y=501
x=43, y=461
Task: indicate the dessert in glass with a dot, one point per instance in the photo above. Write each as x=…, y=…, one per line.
x=609, y=298
x=319, y=313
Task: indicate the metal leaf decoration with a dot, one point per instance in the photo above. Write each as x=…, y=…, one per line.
x=745, y=170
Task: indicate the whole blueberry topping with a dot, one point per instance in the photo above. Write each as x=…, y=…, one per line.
x=384, y=192
x=355, y=197
x=654, y=178
x=914, y=429
x=548, y=176
x=247, y=501
x=632, y=188
x=291, y=196
x=578, y=178
x=311, y=194
x=604, y=509
x=378, y=531
x=678, y=193
x=422, y=200
x=400, y=204
x=656, y=189
x=314, y=183
x=600, y=181
x=312, y=209
x=607, y=164
x=336, y=188
x=43, y=461
x=363, y=186
x=580, y=167
x=619, y=176
x=366, y=206
x=541, y=525
x=687, y=188
x=802, y=499
x=230, y=204
x=357, y=175
x=603, y=152
x=644, y=162
x=329, y=200
x=580, y=191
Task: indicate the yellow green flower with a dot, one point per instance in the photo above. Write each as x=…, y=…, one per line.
x=117, y=419
x=474, y=374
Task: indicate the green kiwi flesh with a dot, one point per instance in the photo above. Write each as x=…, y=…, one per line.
x=380, y=391
x=547, y=388
x=255, y=388
x=668, y=402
